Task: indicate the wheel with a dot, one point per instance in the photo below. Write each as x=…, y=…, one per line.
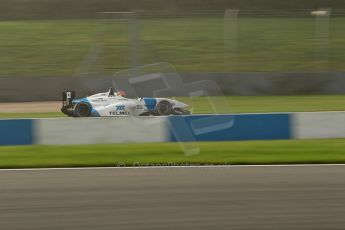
x=82, y=110
x=164, y=108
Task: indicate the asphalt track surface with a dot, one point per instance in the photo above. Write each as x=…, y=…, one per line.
x=296, y=197
x=31, y=107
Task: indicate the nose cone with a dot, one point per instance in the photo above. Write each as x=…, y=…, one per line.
x=179, y=104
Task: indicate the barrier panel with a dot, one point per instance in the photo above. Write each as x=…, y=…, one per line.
x=318, y=125
x=16, y=132
x=230, y=127
x=99, y=130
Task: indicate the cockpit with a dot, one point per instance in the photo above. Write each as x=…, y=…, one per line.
x=112, y=93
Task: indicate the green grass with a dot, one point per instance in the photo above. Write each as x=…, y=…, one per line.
x=245, y=152
x=60, y=47
x=240, y=104
x=260, y=104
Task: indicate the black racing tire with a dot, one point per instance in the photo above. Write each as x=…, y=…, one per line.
x=82, y=109
x=164, y=108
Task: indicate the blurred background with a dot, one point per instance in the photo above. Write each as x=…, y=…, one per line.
x=264, y=57
x=248, y=47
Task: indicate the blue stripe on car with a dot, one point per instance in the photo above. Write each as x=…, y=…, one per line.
x=81, y=100
x=150, y=103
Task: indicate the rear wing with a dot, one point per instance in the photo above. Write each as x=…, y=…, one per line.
x=67, y=98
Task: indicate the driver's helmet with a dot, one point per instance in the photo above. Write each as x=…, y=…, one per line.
x=121, y=93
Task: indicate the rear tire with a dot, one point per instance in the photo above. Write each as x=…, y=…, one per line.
x=82, y=110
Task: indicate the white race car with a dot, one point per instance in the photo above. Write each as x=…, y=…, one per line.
x=115, y=104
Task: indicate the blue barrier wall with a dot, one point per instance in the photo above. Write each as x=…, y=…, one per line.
x=16, y=132
x=173, y=128
x=229, y=127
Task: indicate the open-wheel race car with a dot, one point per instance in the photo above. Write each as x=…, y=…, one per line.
x=113, y=103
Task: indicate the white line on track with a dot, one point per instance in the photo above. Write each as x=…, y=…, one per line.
x=167, y=167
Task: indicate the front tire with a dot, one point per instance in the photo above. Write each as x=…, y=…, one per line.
x=164, y=108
